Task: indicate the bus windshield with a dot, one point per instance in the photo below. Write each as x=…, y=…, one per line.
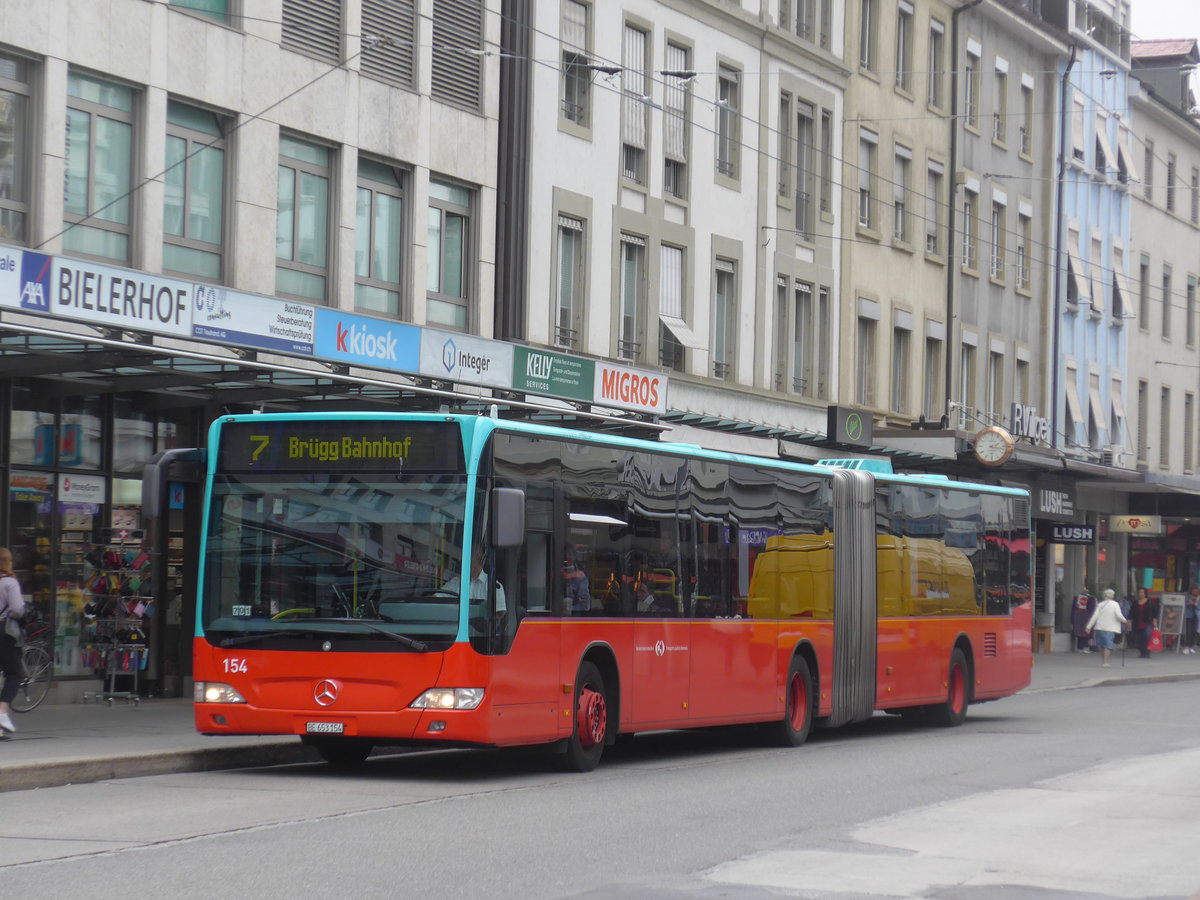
x=360, y=557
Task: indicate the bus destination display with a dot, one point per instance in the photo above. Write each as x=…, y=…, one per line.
x=341, y=446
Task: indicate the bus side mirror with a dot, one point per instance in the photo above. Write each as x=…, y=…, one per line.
x=508, y=517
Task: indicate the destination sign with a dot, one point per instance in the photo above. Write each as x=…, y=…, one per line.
x=340, y=445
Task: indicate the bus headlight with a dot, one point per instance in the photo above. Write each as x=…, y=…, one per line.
x=449, y=698
x=215, y=692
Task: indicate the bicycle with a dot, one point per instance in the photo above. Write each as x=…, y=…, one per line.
x=38, y=666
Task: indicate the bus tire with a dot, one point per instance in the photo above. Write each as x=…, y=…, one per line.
x=953, y=711
x=341, y=753
x=589, y=730
x=793, y=729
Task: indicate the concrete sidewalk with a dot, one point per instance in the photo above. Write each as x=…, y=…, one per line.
x=75, y=743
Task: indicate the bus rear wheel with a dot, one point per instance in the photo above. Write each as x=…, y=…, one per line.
x=953, y=711
x=341, y=753
x=590, y=724
x=793, y=730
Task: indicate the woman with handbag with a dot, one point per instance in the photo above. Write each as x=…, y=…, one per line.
x=12, y=607
x=1144, y=618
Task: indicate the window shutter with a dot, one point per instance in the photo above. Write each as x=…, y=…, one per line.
x=574, y=25
x=390, y=62
x=675, y=103
x=457, y=74
x=671, y=282
x=314, y=28
x=633, y=86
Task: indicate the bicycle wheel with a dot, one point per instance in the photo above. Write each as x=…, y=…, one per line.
x=37, y=679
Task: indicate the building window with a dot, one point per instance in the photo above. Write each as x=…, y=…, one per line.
x=728, y=121
x=302, y=222
x=904, y=37
x=1024, y=252
x=218, y=10
x=971, y=91
x=1189, y=426
x=823, y=335
x=448, y=255
x=785, y=143
x=1164, y=428
x=864, y=371
x=194, y=193
x=933, y=208
x=390, y=61
x=99, y=168
x=966, y=377
x=379, y=239
x=1171, y=182
x=1027, y=118
x=1144, y=294
x=1119, y=287
x=724, y=320
x=867, y=27
x=314, y=28
x=901, y=348
x=14, y=149
x=1143, y=422
x=568, y=307
x=970, y=234
x=1021, y=383
x=1195, y=197
x=931, y=393
x=806, y=13
x=674, y=334
x=1190, y=311
x=803, y=334
x=1078, y=124
x=633, y=297
x=826, y=162
x=996, y=270
x=576, y=74
x=995, y=386
x=1166, y=302
x=782, y=348
x=937, y=64
x=901, y=179
x=1000, y=105
x=1148, y=170
x=456, y=65
x=868, y=141
x=804, y=170
x=634, y=108
x=677, y=119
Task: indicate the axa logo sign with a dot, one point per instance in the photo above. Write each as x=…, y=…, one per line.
x=369, y=342
x=35, y=282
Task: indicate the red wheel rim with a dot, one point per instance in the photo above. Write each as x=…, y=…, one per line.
x=797, y=702
x=591, y=717
x=958, y=689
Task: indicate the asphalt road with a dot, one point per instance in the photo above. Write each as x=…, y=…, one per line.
x=1071, y=794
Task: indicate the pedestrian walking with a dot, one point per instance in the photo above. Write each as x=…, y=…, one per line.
x=1106, y=623
x=1081, y=612
x=1143, y=617
x=1191, y=620
x=12, y=607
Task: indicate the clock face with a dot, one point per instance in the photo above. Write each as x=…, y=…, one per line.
x=993, y=446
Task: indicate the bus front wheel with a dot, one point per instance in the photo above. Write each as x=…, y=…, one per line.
x=793, y=730
x=590, y=724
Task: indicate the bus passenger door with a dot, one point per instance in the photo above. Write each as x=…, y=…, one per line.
x=661, y=669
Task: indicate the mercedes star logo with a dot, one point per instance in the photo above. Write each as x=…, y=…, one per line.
x=325, y=693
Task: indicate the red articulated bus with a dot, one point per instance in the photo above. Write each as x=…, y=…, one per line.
x=449, y=580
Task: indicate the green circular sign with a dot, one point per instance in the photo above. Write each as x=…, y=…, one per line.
x=854, y=426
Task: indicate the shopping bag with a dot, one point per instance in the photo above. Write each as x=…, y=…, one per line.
x=1155, y=642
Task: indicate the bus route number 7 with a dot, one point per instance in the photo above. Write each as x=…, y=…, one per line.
x=263, y=441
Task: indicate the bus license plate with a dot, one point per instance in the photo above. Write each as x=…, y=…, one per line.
x=325, y=727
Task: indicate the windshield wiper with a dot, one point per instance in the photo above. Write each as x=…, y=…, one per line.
x=412, y=643
x=370, y=623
